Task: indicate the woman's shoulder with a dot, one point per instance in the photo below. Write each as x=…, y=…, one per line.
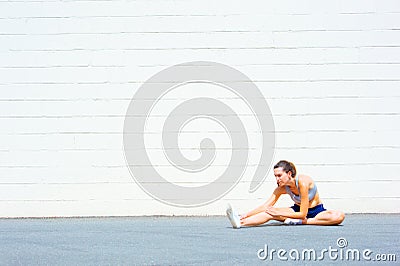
x=280, y=190
x=305, y=179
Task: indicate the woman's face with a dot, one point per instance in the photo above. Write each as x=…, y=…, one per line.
x=282, y=178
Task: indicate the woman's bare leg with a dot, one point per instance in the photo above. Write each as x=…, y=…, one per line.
x=263, y=217
x=328, y=217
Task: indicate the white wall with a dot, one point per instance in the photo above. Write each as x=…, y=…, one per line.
x=330, y=71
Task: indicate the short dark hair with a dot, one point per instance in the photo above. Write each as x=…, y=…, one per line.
x=286, y=166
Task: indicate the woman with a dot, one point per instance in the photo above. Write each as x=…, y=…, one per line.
x=308, y=208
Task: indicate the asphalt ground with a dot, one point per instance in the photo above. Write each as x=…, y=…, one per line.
x=197, y=241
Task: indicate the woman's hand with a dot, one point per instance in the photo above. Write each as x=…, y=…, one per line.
x=272, y=211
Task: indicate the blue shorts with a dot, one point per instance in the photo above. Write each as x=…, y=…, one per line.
x=312, y=212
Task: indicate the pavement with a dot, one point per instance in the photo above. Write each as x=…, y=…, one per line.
x=197, y=241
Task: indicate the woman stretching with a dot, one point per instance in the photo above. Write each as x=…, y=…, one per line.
x=308, y=208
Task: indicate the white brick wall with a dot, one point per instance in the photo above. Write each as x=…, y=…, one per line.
x=330, y=71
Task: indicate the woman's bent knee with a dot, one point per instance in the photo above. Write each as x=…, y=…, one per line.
x=339, y=217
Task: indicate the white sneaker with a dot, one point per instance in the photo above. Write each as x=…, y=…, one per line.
x=290, y=221
x=233, y=217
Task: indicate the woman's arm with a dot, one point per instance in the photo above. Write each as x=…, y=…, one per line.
x=304, y=204
x=270, y=202
x=304, y=201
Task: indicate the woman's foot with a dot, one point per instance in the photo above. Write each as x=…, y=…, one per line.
x=290, y=221
x=233, y=217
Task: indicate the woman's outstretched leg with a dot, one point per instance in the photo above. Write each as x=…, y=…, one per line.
x=262, y=217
